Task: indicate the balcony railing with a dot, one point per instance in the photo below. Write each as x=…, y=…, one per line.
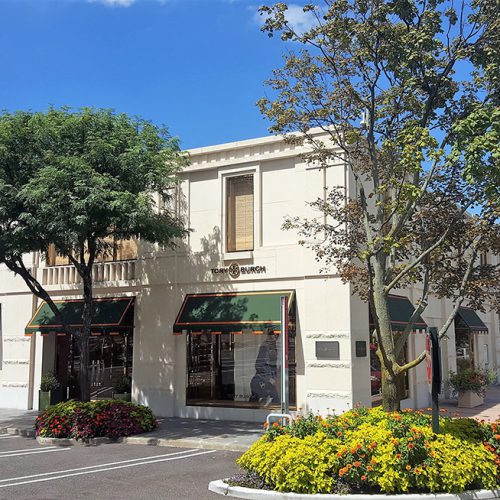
x=105, y=271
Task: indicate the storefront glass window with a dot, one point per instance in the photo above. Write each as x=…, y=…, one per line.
x=239, y=370
x=110, y=359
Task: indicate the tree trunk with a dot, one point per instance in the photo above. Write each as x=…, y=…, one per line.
x=386, y=353
x=85, y=335
x=84, y=368
x=390, y=392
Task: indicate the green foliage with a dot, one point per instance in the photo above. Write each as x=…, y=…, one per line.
x=471, y=379
x=455, y=465
x=293, y=464
x=97, y=180
x=49, y=382
x=123, y=385
x=81, y=180
x=466, y=429
x=369, y=450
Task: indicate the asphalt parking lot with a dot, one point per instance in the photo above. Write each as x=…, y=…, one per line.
x=31, y=471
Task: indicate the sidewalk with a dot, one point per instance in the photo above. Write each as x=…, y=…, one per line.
x=489, y=410
x=205, y=434
x=20, y=422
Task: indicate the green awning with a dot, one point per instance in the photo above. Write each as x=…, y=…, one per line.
x=400, y=312
x=470, y=319
x=234, y=312
x=110, y=315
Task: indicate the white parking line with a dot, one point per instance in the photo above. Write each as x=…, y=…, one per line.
x=10, y=436
x=145, y=461
x=98, y=465
x=33, y=452
x=27, y=449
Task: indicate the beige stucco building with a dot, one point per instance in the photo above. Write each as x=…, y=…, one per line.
x=234, y=197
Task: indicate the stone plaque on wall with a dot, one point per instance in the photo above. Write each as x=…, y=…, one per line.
x=327, y=350
x=361, y=348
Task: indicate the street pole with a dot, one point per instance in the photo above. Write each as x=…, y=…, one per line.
x=436, y=377
x=284, y=354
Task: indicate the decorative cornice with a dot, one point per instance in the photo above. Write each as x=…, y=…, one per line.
x=328, y=364
x=14, y=384
x=328, y=335
x=253, y=150
x=16, y=339
x=328, y=395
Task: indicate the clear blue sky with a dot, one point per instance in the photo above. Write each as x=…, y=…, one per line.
x=197, y=66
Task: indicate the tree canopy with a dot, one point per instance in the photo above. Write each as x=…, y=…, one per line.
x=80, y=180
x=406, y=93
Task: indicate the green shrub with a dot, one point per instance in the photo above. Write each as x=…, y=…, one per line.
x=455, y=465
x=293, y=464
x=49, y=382
x=467, y=429
x=369, y=450
x=123, y=385
x=104, y=418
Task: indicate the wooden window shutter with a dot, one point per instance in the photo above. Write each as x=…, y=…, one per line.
x=54, y=258
x=239, y=213
x=126, y=249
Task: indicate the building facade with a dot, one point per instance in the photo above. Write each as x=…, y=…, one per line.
x=197, y=328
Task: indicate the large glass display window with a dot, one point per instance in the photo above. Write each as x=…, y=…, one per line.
x=237, y=370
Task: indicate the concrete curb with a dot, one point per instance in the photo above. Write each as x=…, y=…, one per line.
x=222, y=488
x=202, y=444
x=72, y=442
x=18, y=431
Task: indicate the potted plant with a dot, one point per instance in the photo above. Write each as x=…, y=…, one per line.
x=122, y=389
x=50, y=391
x=470, y=385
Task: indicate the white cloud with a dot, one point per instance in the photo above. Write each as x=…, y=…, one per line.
x=298, y=20
x=114, y=3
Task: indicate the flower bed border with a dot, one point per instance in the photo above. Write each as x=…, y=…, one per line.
x=222, y=488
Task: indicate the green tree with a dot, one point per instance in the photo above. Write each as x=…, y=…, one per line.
x=375, y=84
x=80, y=180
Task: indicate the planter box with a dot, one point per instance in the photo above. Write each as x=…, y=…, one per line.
x=221, y=488
x=48, y=398
x=125, y=396
x=469, y=399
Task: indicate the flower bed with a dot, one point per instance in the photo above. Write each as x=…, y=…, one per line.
x=83, y=421
x=370, y=451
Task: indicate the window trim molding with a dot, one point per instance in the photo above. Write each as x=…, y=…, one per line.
x=223, y=175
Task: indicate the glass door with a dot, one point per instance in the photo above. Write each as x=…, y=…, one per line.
x=110, y=359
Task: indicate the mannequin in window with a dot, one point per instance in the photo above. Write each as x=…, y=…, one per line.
x=263, y=382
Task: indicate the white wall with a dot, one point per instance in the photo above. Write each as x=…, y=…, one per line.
x=16, y=305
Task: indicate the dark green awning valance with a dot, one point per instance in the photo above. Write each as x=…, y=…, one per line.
x=110, y=315
x=234, y=312
x=400, y=312
x=470, y=319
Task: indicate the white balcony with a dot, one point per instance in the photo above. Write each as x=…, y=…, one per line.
x=102, y=272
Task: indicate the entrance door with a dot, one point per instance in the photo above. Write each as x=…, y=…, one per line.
x=464, y=345
x=110, y=359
